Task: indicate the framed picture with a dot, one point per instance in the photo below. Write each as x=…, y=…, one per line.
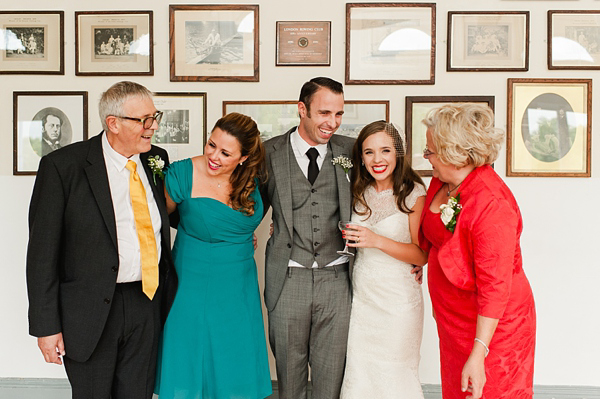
x=214, y=43
x=182, y=130
x=417, y=108
x=549, y=127
x=488, y=41
x=44, y=121
x=390, y=43
x=277, y=117
x=573, y=39
x=32, y=42
x=305, y=43
x=113, y=43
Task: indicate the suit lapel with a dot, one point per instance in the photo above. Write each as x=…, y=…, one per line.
x=280, y=164
x=98, y=180
x=159, y=196
x=342, y=181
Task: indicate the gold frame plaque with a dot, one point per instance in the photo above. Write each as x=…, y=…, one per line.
x=303, y=43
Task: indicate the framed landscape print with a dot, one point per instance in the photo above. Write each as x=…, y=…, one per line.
x=306, y=43
x=44, y=121
x=277, y=117
x=214, y=43
x=573, y=39
x=549, y=127
x=182, y=130
x=390, y=43
x=113, y=43
x=32, y=42
x=488, y=41
x=417, y=108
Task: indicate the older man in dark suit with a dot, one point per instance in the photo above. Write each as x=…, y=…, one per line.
x=99, y=266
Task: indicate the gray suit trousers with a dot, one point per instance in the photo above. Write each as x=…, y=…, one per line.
x=309, y=325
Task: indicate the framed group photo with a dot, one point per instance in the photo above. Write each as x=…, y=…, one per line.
x=214, y=43
x=549, y=127
x=32, y=42
x=44, y=121
x=182, y=130
x=305, y=43
x=417, y=108
x=573, y=39
x=390, y=43
x=113, y=43
x=277, y=117
x=488, y=41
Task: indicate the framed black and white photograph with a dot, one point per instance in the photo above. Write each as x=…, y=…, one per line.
x=182, y=130
x=417, y=108
x=390, y=43
x=32, y=42
x=215, y=43
x=549, y=128
x=488, y=41
x=277, y=117
x=45, y=121
x=113, y=43
x=573, y=39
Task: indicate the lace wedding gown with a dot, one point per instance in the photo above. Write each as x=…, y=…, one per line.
x=386, y=323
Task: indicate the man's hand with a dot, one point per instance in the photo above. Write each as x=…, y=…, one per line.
x=52, y=348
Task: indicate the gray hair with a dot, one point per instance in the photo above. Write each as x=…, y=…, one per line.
x=112, y=100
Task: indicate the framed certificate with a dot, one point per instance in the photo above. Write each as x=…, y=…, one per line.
x=303, y=43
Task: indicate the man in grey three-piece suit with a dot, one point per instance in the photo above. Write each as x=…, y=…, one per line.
x=307, y=284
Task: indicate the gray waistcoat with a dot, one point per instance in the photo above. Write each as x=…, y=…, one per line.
x=316, y=215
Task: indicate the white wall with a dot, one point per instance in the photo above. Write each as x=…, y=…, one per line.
x=561, y=218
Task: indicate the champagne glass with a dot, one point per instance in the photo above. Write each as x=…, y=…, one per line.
x=342, y=225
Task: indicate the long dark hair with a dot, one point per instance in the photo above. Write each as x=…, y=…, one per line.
x=404, y=177
x=243, y=179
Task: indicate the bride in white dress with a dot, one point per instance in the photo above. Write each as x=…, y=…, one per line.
x=386, y=323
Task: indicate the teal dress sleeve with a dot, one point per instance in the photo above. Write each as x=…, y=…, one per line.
x=178, y=180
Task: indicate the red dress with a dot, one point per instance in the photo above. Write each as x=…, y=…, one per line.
x=478, y=270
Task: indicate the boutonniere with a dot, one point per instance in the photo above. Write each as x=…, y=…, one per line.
x=156, y=166
x=450, y=211
x=345, y=163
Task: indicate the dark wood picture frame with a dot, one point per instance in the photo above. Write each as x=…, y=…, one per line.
x=189, y=64
x=307, y=51
x=566, y=149
x=28, y=119
x=24, y=61
x=91, y=58
x=379, y=62
x=423, y=168
x=488, y=50
x=573, y=41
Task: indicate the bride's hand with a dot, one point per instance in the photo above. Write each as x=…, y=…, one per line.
x=360, y=237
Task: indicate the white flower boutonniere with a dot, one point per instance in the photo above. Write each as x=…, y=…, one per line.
x=345, y=163
x=156, y=166
x=450, y=211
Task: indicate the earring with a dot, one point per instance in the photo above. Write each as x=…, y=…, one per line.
x=362, y=163
x=241, y=163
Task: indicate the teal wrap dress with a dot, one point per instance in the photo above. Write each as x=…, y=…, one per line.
x=213, y=343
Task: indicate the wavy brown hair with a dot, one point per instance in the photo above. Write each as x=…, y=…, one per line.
x=244, y=177
x=404, y=177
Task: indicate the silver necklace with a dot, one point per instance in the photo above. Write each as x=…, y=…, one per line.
x=454, y=189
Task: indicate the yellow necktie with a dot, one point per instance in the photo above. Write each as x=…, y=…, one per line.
x=145, y=232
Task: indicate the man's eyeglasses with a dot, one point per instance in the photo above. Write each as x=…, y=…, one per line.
x=148, y=121
x=427, y=153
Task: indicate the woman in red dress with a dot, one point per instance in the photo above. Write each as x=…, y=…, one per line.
x=482, y=301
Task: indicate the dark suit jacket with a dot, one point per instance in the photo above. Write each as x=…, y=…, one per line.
x=72, y=256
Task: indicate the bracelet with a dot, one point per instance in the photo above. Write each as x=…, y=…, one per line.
x=487, y=350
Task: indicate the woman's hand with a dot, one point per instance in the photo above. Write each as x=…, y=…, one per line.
x=254, y=241
x=473, y=374
x=360, y=237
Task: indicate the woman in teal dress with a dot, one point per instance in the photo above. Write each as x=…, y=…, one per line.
x=213, y=344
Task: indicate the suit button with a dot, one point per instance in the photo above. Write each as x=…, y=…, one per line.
x=313, y=190
x=289, y=245
x=114, y=269
x=315, y=216
x=315, y=229
x=317, y=243
x=106, y=301
x=316, y=254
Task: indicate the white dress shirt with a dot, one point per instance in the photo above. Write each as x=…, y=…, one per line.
x=300, y=147
x=130, y=268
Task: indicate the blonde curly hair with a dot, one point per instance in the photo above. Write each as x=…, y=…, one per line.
x=464, y=134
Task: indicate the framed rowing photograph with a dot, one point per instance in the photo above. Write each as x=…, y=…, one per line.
x=417, y=108
x=214, y=43
x=32, y=42
x=549, y=128
x=44, y=121
x=574, y=39
x=109, y=43
x=182, y=130
x=277, y=117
